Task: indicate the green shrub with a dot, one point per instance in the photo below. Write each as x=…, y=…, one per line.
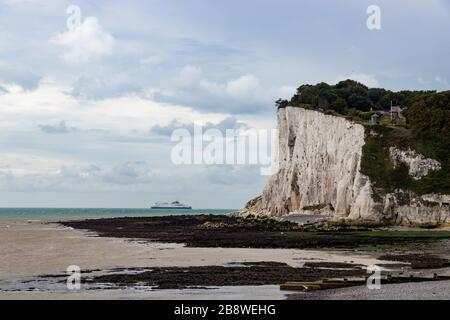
x=425, y=130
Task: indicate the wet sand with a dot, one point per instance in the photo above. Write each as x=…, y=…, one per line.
x=30, y=249
x=37, y=248
x=223, y=293
x=437, y=290
x=34, y=248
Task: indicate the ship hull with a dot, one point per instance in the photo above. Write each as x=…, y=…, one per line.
x=172, y=208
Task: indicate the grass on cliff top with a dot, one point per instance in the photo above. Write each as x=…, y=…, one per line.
x=377, y=164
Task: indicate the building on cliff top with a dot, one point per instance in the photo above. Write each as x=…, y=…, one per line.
x=396, y=112
x=375, y=119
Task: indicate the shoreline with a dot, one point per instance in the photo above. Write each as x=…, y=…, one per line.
x=220, y=231
x=37, y=248
x=24, y=244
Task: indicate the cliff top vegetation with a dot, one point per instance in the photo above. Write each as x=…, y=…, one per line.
x=424, y=128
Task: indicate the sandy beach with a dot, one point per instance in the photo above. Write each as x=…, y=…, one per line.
x=36, y=253
x=36, y=248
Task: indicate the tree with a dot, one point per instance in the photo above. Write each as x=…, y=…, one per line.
x=339, y=105
x=281, y=103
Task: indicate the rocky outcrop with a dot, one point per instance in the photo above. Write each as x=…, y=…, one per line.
x=319, y=172
x=419, y=166
x=428, y=208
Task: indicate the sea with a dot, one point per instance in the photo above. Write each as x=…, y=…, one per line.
x=84, y=213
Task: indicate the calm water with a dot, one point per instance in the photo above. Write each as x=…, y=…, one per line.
x=53, y=213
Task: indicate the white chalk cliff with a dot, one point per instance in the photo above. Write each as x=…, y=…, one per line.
x=419, y=166
x=319, y=172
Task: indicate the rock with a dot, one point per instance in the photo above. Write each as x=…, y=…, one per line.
x=419, y=166
x=319, y=172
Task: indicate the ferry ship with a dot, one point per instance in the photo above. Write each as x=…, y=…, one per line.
x=171, y=205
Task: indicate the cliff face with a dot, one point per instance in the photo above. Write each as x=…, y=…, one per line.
x=319, y=172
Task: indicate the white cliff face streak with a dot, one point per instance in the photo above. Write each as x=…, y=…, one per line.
x=319, y=171
x=419, y=166
x=320, y=157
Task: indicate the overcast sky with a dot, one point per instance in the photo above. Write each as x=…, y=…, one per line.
x=86, y=113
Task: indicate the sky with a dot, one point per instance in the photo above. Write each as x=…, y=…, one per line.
x=88, y=105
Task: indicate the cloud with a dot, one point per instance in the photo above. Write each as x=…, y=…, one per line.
x=11, y=88
x=153, y=93
x=366, y=79
x=229, y=123
x=5, y=40
x=230, y=175
x=437, y=82
x=79, y=177
x=131, y=172
x=243, y=87
x=240, y=95
x=85, y=43
x=422, y=81
x=287, y=92
x=25, y=164
x=30, y=109
x=189, y=75
x=151, y=60
x=125, y=176
x=56, y=129
x=167, y=130
x=442, y=81
x=19, y=3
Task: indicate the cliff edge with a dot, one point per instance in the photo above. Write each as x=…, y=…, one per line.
x=323, y=161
